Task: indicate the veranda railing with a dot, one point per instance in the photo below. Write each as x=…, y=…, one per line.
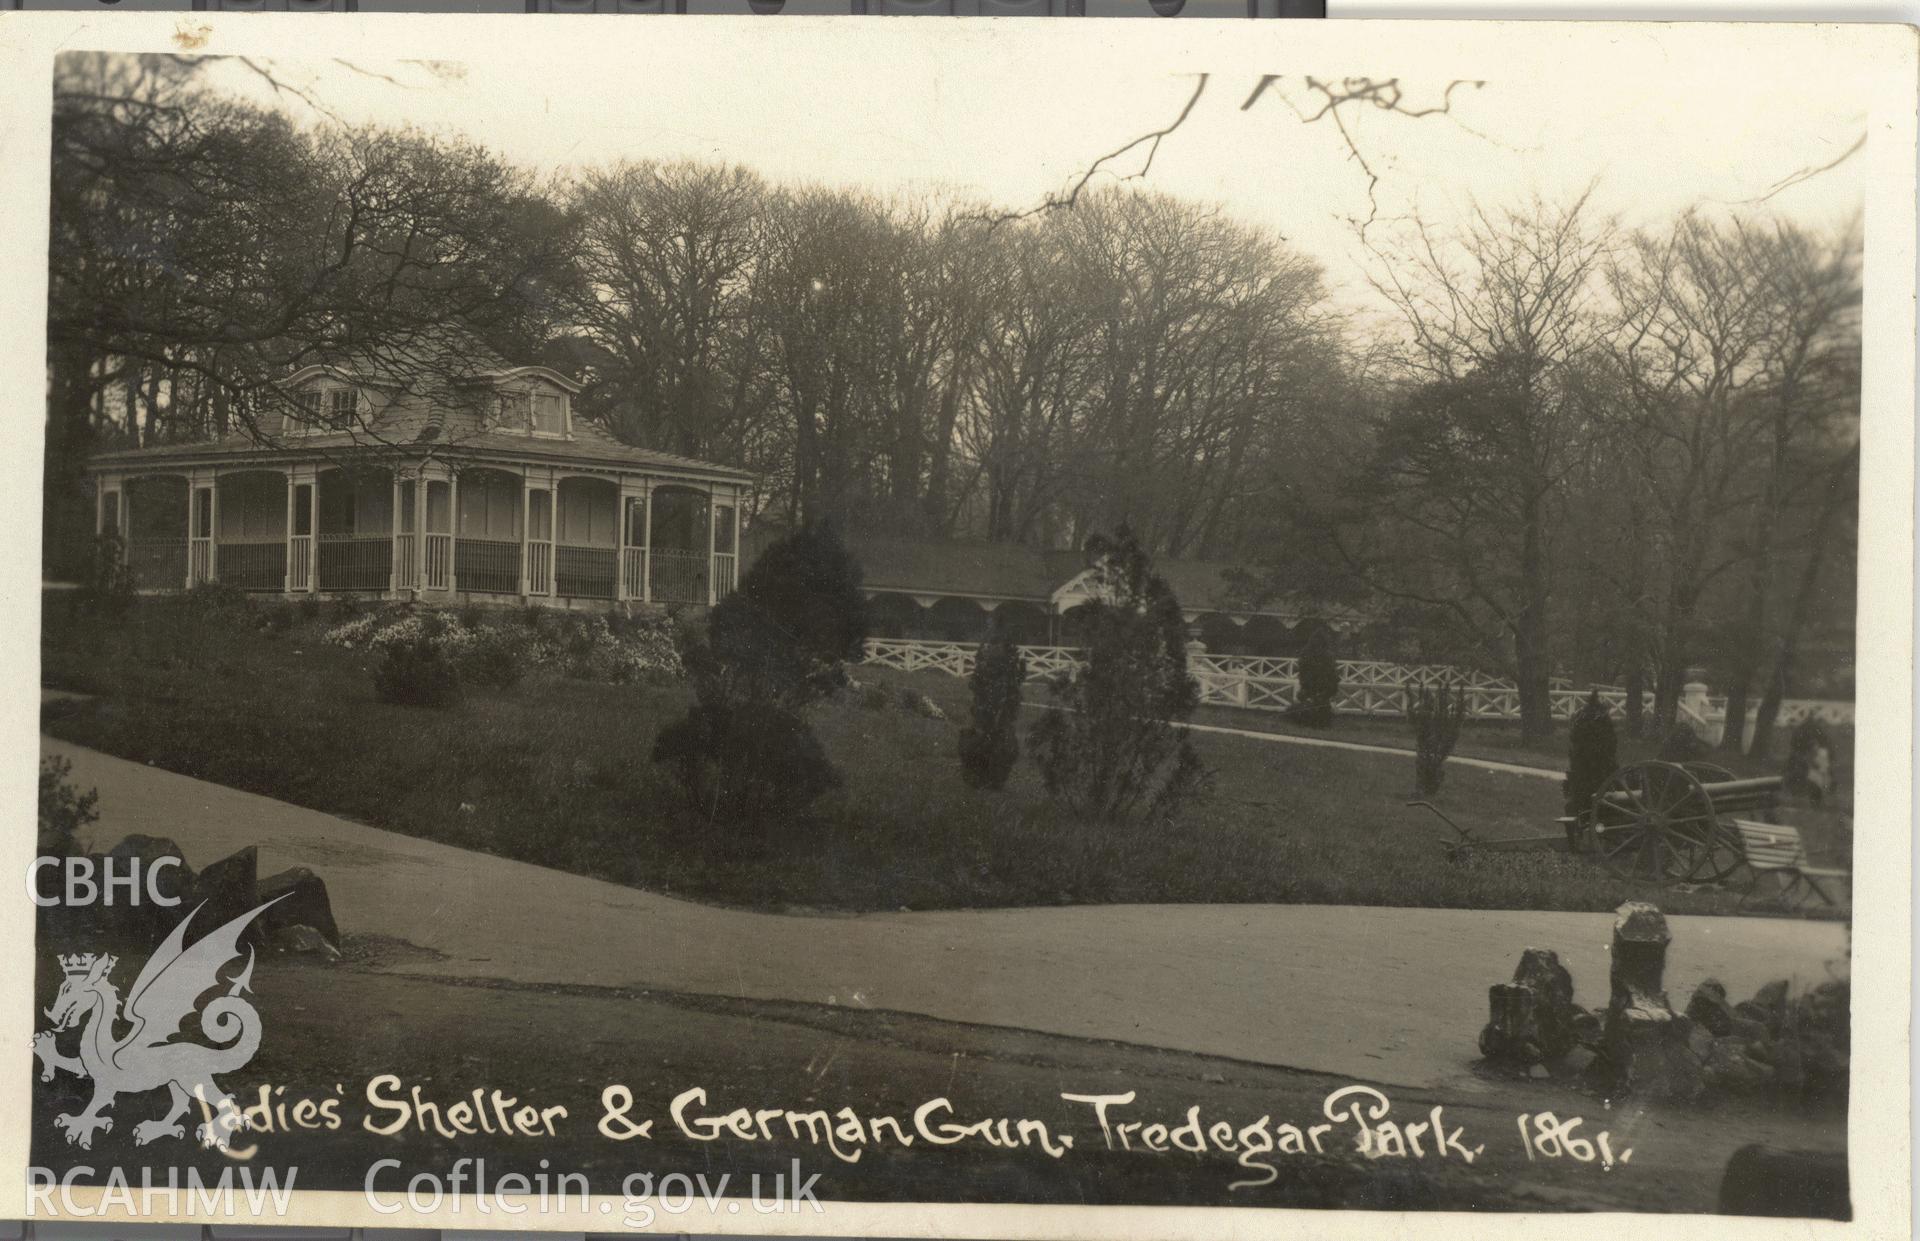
x=258, y=565
x=157, y=564
x=355, y=562
x=678, y=577
x=585, y=572
x=489, y=566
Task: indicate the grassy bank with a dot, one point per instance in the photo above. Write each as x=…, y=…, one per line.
x=556, y=772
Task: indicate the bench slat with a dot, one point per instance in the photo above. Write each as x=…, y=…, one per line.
x=1771, y=846
x=1772, y=860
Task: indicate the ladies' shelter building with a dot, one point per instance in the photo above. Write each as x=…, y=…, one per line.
x=480, y=487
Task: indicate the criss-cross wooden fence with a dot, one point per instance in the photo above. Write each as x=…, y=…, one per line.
x=1367, y=686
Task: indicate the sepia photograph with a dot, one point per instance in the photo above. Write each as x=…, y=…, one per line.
x=694, y=628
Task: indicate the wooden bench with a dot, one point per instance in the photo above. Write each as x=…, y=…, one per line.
x=1777, y=849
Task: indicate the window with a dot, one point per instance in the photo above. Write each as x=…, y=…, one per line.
x=324, y=408
x=342, y=404
x=308, y=412
x=535, y=412
x=513, y=411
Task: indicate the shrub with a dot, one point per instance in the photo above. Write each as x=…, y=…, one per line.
x=743, y=758
x=1113, y=745
x=107, y=589
x=591, y=650
x=1319, y=678
x=471, y=616
x=1436, y=720
x=582, y=647
x=345, y=608
x=990, y=743
x=1809, y=769
x=310, y=608
x=217, y=601
x=1682, y=745
x=495, y=657
x=1593, y=753
x=743, y=750
x=415, y=672
x=274, y=619
x=797, y=614
x=64, y=810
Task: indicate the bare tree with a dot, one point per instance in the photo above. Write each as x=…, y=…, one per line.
x=1683, y=350
x=666, y=259
x=385, y=251
x=1808, y=398
x=1500, y=318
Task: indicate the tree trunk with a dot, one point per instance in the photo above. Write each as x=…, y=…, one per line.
x=65, y=513
x=1781, y=679
x=1531, y=672
x=1753, y=628
x=1532, y=663
x=1636, y=688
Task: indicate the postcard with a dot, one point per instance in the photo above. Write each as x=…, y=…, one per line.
x=962, y=628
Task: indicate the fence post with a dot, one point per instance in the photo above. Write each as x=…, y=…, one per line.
x=1695, y=702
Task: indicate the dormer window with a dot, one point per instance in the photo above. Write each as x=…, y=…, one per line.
x=532, y=413
x=324, y=407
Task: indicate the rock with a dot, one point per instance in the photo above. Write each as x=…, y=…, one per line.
x=149, y=920
x=1533, y=1018
x=1554, y=1014
x=1510, y=1035
x=1826, y=1066
x=921, y=705
x=1789, y=1069
x=1727, y=1066
x=1539, y=1072
x=1764, y=1180
x=1709, y=1009
x=225, y=890
x=305, y=902
x=303, y=939
x=1646, y=1046
x=1640, y=939
x=175, y=881
x=1773, y=996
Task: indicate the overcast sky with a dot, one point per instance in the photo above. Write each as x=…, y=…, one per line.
x=1659, y=126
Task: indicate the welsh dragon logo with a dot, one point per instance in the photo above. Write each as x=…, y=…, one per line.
x=147, y=1057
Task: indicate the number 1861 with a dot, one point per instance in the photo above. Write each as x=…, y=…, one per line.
x=1546, y=1136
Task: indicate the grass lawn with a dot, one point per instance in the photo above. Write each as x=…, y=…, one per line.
x=556, y=772
x=1501, y=741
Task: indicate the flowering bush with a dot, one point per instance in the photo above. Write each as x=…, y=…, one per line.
x=590, y=650
x=416, y=672
x=583, y=647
